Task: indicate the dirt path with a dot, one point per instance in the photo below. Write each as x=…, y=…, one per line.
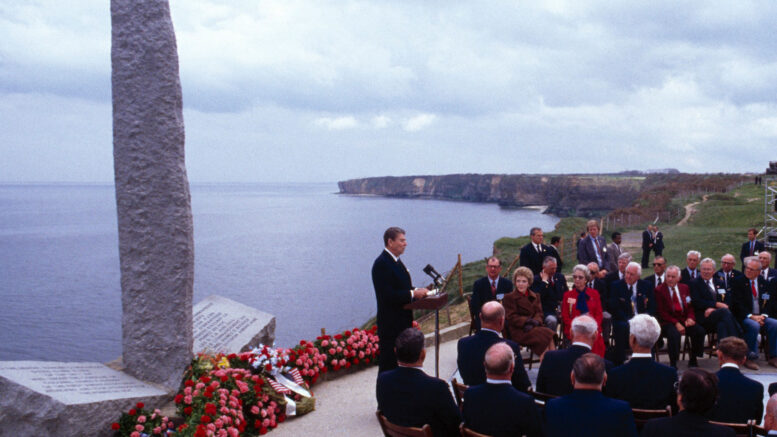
x=690, y=209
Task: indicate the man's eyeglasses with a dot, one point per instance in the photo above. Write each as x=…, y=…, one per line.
x=494, y=267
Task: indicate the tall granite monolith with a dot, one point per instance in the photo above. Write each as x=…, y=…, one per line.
x=156, y=246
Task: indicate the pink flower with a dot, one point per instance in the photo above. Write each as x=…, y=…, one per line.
x=332, y=351
x=157, y=430
x=187, y=399
x=361, y=354
x=222, y=433
x=266, y=423
x=254, y=410
x=187, y=391
x=342, y=362
x=141, y=419
x=139, y=428
x=219, y=423
x=339, y=349
x=325, y=343
x=233, y=432
x=334, y=362
x=135, y=434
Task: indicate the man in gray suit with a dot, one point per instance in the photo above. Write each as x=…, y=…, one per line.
x=614, y=251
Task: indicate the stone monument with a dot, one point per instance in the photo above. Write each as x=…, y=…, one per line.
x=223, y=325
x=156, y=245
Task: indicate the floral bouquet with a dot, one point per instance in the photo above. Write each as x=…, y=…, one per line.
x=139, y=422
x=349, y=348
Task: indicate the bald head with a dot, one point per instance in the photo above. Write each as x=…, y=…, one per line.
x=499, y=361
x=492, y=315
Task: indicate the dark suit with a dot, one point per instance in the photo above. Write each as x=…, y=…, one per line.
x=770, y=273
x=703, y=298
x=472, y=351
x=555, y=254
x=481, y=293
x=647, y=246
x=409, y=397
x=532, y=259
x=500, y=410
x=745, y=252
x=392, y=290
x=658, y=245
x=742, y=306
x=586, y=251
x=725, y=279
x=685, y=424
x=588, y=413
x=652, y=281
x=685, y=275
x=550, y=294
x=622, y=308
x=741, y=398
x=553, y=376
x=643, y=383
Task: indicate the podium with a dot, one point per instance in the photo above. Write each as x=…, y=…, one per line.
x=432, y=303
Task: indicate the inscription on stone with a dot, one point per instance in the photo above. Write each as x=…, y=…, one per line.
x=223, y=325
x=75, y=383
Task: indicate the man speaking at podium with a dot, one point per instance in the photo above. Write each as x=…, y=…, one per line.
x=393, y=290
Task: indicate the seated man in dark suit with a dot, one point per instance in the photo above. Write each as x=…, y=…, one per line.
x=642, y=382
x=488, y=288
x=553, y=376
x=550, y=285
x=659, y=272
x=691, y=271
x=696, y=396
x=628, y=297
x=534, y=252
x=472, y=349
x=712, y=313
x=751, y=247
x=496, y=408
x=409, y=397
x=616, y=274
x=741, y=398
x=755, y=310
x=766, y=272
x=586, y=411
x=726, y=275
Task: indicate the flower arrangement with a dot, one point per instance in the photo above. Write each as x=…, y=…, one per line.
x=231, y=395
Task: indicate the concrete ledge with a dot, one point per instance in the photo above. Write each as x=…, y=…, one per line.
x=454, y=332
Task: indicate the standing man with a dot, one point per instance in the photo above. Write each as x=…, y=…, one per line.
x=393, y=290
x=593, y=248
x=658, y=241
x=691, y=272
x=534, y=252
x=751, y=247
x=675, y=313
x=614, y=251
x=647, y=245
x=555, y=242
x=488, y=288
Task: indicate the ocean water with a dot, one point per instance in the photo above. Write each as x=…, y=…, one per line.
x=297, y=251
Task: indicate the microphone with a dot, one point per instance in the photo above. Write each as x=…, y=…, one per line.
x=435, y=275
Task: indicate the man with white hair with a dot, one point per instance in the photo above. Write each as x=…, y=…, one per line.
x=642, y=382
x=495, y=407
x=766, y=272
x=727, y=273
x=708, y=300
x=691, y=272
x=770, y=418
x=553, y=376
x=675, y=313
x=754, y=309
x=628, y=297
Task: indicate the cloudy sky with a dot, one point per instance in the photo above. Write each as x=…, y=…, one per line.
x=327, y=90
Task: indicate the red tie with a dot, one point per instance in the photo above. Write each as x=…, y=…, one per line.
x=755, y=290
x=752, y=246
x=678, y=305
x=493, y=288
x=598, y=249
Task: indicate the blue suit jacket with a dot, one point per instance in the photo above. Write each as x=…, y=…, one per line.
x=553, y=376
x=499, y=410
x=620, y=300
x=472, y=351
x=410, y=397
x=585, y=413
x=741, y=398
x=642, y=383
x=392, y=291
x=586, y=252
x=481, y=293
x=685, y=424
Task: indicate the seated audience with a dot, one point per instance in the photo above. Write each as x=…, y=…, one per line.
x=642, y=382
x=628, y=297
x=696, y=396
x=472, y=349
x=553, y=376
x=496, y=408
x=488, y=288
x=524, y=322
x=770, y=418
x=675, y=313
x=755, y=311
x=741, y=398
x=582, y=300
x=409, y=397
x=710, y=309
x=586, y=411
x=551, y=286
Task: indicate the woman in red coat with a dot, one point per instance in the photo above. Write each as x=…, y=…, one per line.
x=583, y=300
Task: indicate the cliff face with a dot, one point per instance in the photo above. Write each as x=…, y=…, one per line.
x=565, y=195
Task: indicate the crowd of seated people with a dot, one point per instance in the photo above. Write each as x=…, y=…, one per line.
x=596, y=382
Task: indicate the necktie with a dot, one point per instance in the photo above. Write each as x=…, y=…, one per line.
x=754, y=289
x=765, y=271
x=493, y=287
x=712, y=288
x=633, y=294
x=693, y=274
x=752, y=248
x=725, y=281
x=596, y=243
x=537, y=248
x=552, y=283
x=678, y=303
x=659, y=280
